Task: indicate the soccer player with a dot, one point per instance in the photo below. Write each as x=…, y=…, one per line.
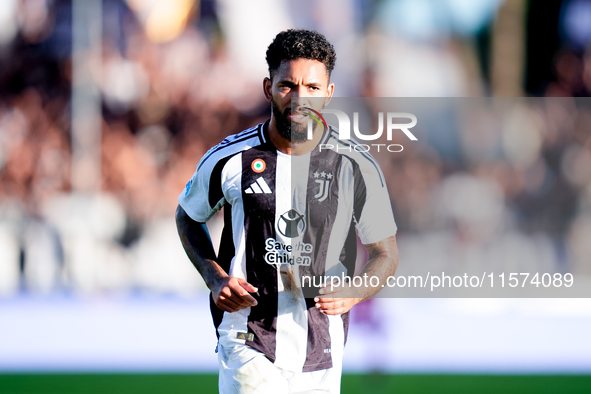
x=290, y=210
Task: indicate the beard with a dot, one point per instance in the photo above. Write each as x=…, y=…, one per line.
x=291, y=131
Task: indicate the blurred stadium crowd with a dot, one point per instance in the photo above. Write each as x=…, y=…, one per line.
x=176, y=76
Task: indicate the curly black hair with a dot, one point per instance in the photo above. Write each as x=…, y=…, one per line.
x=300, y=44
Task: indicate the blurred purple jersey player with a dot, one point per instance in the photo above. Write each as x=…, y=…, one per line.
x=279, y=226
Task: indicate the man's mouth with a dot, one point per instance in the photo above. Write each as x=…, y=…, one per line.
x=297, y=116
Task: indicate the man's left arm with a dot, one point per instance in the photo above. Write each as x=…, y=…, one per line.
x=382, y=263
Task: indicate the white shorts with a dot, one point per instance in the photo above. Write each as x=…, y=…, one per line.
x=244, y=370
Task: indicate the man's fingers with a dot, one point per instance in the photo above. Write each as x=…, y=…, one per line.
x=331, y=303
x=229, y=302
x=332, y=297
x=233, y=295
x=227, y=296
x=247, y=286
x=333, y=306
x=224, y=305
x=226, y=308
x=338, y=311
x=241, y=295
x=240, y=301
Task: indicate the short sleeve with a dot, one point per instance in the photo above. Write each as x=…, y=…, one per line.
x=375, y=221
x=203, y=195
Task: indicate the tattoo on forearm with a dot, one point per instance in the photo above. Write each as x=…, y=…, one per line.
x=383, y=261
x=197, y=244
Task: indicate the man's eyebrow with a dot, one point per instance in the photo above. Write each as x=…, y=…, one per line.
x=288, y=81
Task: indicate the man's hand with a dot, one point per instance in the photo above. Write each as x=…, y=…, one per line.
x=337, y=301
x=232, y=294
x=382, y=263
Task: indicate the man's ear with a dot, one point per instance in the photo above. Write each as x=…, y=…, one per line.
x=329, y=91
x=267, y=84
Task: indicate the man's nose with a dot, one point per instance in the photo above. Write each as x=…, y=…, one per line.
x=299, y=95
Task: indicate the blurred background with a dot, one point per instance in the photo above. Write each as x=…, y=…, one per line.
x=106, y=107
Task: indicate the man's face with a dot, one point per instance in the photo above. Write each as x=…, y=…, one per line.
x=299, y=79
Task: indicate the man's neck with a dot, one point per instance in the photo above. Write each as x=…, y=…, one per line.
x=293, y=148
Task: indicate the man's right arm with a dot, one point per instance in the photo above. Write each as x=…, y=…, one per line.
x=230, y=294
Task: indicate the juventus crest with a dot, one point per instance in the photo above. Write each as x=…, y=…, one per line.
x=324, y=185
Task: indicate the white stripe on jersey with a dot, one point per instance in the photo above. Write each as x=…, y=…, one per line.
x=336, y=329
x=292, y=314
x=232, y=323
x=340, y=228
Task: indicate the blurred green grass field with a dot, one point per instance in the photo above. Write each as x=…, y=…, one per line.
x=371, y=383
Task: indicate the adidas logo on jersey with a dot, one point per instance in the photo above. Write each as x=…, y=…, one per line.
x=258, y=187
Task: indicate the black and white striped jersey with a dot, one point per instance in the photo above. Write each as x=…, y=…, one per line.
x=287, y=216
